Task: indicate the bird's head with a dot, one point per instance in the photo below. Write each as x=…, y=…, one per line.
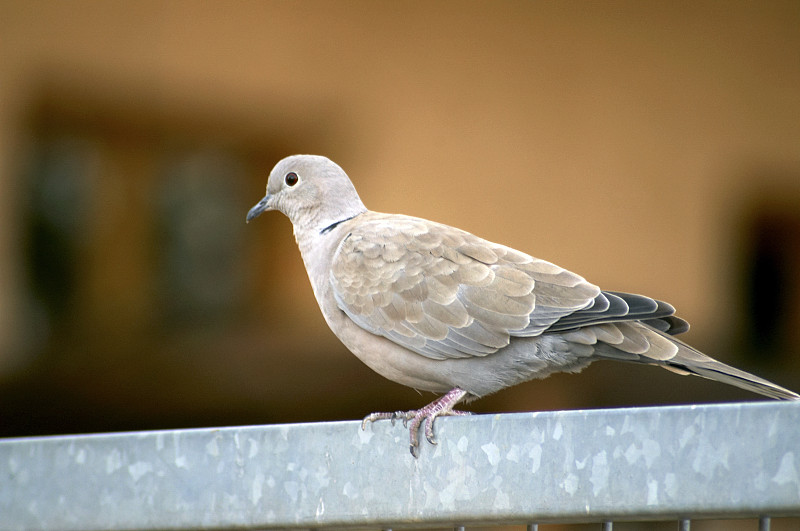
x=312, y=191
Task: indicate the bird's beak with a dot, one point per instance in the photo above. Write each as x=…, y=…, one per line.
x=262, y=206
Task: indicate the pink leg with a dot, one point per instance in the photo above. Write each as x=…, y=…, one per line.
x=442, y=406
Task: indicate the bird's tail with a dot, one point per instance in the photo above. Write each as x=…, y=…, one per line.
x=643, y=343
x=689, y=360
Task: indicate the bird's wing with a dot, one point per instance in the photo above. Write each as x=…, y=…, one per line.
x=445, y=293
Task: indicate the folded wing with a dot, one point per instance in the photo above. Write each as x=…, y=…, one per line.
x=445, y=293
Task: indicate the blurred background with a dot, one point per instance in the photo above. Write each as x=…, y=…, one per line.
x=651, y=147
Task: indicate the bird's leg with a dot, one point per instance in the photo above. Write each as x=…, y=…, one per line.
x=442, y=406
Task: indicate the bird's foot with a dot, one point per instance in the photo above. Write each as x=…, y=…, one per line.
x=441, y=407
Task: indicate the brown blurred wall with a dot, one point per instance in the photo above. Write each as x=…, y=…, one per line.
x=627, y=141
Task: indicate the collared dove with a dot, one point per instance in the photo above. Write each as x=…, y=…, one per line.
x=439, y=309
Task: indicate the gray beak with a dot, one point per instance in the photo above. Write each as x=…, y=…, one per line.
x=262, y=206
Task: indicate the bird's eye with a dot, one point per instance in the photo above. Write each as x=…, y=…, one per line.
x=291, y=178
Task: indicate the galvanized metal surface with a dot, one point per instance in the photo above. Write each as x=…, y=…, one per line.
x=732, y=460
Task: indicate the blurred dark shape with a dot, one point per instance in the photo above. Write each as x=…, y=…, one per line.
x=56, y=222
x=771, y=280
x=134, y=254
x=200, y=238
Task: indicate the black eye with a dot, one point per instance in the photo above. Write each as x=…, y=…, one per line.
x=291, y=178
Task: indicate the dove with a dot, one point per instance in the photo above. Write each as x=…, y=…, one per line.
x=439, y=309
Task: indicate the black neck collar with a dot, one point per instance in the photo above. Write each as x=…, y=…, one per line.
x=333, y=225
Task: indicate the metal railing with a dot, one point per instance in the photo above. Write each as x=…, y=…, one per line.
x=682, y=463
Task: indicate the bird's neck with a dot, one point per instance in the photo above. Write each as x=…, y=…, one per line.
x=317, y=234
x=317, y=250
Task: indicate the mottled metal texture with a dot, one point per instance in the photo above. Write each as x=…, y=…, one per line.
x=732, y=460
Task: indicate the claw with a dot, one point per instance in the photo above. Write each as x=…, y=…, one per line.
x=429, y=430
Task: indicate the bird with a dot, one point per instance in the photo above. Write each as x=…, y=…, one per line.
x=438, y=309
